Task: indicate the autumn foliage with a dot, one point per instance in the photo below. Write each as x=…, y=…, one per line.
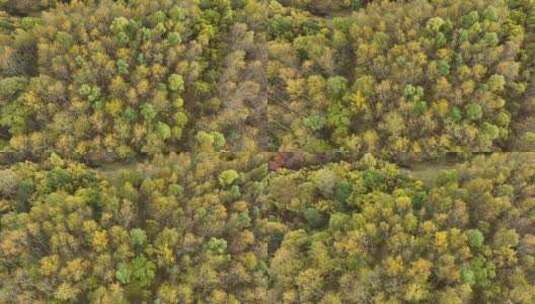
x=267, y=151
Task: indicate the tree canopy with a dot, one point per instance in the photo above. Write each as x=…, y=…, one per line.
x=267, y=151
x=222, y=228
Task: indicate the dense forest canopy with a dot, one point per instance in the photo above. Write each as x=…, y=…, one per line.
x=117, y=80
x=402, y=76
x=180, y=229
x=222, y=228
x=105, y=80
x=267, y=151
x=370, y=234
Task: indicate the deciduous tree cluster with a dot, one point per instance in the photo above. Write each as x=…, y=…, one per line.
x=365, y=233
x=401, y=76
x=112, y=80
x=267, y=151
x=221, y=228
x=179, y=230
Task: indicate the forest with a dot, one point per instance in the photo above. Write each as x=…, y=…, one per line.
x=267, y=151
x=224, y=228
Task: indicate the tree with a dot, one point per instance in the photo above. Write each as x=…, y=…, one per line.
x=475, y=238
x=228, y=177
x=9, y=182
x=176, y=83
